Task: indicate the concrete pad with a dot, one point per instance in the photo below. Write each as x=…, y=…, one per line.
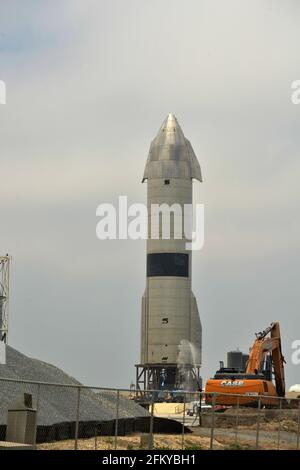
x=167, y=408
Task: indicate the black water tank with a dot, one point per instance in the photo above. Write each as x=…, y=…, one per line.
x=234, y=360
x=245, y=358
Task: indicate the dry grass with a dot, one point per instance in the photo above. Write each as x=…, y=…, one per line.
x=161, y=441
x=285, y=425
x=268, y=422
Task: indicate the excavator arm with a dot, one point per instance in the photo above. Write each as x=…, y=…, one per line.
x=278, y=360
x=264, y=345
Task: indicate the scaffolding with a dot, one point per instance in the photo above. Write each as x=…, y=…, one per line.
x=4, y=296
x=167, y=377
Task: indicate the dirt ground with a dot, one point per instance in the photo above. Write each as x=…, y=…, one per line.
x=269, y=419
x=199, y=439
x=161, y=441
x=277, y=430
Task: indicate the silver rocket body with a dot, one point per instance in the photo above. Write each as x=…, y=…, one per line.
x=171, y=333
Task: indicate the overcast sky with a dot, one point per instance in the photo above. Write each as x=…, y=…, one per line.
x=89, y=82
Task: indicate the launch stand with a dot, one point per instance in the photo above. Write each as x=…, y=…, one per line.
x=167, y=377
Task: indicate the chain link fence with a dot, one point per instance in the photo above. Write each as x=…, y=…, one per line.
x=59, y=416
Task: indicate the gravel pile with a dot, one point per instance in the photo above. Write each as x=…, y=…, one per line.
x=57, y=404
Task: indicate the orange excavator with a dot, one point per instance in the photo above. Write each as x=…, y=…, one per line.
x=264, y=375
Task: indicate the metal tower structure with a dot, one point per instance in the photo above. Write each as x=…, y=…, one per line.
x=4, y=296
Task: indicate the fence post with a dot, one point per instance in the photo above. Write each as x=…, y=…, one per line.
x=298, y=431
x=77, y=417
x=151, y=423
x=117, y=419
x=37, y=411
x=200, y=409
x=96, y=437
x=279, y=423
x=212, y=422
x=237, y=418
x=183, y=421
x=258, y=421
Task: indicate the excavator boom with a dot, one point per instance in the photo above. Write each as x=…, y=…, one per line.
x=278, y=360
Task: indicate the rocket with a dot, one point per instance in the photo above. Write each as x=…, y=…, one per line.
x=171, y=332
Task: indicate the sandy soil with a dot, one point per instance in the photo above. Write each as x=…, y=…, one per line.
x=161, y=441
x=198, y=440
x=225, y=434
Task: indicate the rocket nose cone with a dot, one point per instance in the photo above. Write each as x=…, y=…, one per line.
x=171, y=154
x=171, y=117
x=169, y=130
x=170, y=122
